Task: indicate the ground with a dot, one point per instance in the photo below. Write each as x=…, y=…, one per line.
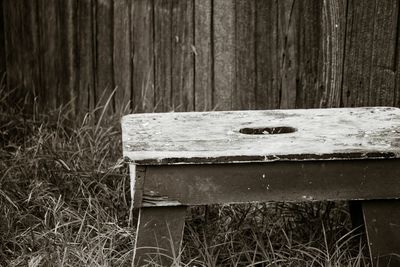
x=65, y=201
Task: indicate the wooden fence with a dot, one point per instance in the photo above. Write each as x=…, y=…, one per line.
x=2, y=43
x=199, y=55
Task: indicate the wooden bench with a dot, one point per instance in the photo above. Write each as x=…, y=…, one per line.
x=199, y=158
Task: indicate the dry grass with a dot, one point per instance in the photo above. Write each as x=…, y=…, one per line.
x=64, y=201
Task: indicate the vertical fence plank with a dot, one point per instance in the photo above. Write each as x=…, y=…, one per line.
x=288, y=38
x=359, y=46
x=334, y=21
x=122, y=55
x=143, y=48
x=49, y=51
x=396, y=100
x=11, y=40
x=203, y=55
x=67, y=54
x=31, y=50
x=310, y=81
x=383, y=60
x=29, y=47
x=103, y=45
x=22, y=48
x=369, y=74
x=224, y=53
x=163, y=54
x=182, y=60
x=244, y=95
x=2, y=43
x=267, y=55
x=86, y=75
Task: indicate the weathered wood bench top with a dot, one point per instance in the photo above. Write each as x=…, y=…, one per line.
x=287, y=155
x=262, y=136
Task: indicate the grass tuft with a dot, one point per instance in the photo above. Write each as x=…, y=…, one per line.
x=64, y=201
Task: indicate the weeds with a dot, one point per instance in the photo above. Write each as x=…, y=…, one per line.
x=64, y=201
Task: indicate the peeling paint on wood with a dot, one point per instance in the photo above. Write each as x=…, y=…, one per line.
x=214, y=137
x=132, y=171
x=137, y=174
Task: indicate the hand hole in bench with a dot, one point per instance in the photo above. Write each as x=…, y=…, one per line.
x=268, y=130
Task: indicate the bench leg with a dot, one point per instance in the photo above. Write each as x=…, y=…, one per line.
x=159, y=235
x=382, y=225
x=356, y=215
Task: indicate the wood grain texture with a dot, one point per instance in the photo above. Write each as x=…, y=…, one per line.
x=396, y=61
x=244, y=93
x=203, y=55
x=163, y=54
x=49, y=49
x=143, y=49
x=358, y=52
x=383, y=76
x=182, y=58
x=30, y=45
x=209, y=137
x=203, y=45
x=267, y=56
x=224, y=53
x=372, y=30
x=333, y=35
x=67, y=53
x=22, y=48
x=103, y=52
x=2, y=43
x=85, y=93
x=310, y=86
x=288, y=14
x=10, y=40
x=122, y=55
